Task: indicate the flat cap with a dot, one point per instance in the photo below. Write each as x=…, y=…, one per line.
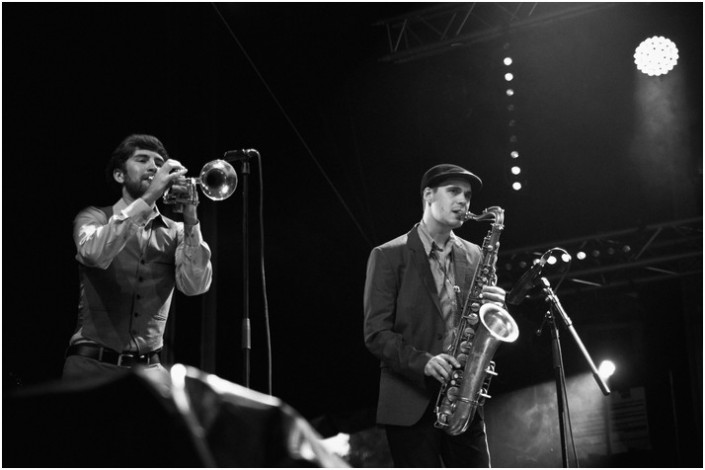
x=438, y=173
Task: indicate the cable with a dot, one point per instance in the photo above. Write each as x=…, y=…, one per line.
x=264, y=278
x=293, y=127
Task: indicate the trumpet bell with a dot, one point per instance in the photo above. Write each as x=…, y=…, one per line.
x=218, y=180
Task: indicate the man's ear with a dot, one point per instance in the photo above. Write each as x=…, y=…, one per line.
x=119, y=175
x=427, y=195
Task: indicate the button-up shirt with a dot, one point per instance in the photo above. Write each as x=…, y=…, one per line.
x=129, y=265
x=442, y=266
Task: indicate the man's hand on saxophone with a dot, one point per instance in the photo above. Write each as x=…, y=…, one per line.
x=439, y=366
x=493, y=294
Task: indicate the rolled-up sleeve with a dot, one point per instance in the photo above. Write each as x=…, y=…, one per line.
x=194, y=271
x=99, y=239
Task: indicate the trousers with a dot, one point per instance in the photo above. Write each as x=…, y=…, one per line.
x=422, y=445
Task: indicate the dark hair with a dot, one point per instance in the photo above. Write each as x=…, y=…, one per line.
x=125, y=150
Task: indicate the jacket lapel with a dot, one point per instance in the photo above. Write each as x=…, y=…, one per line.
x=420, y=260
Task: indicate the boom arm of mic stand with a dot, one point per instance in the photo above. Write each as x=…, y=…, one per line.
x=556, y=303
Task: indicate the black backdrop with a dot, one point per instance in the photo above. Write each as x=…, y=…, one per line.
x=344, y=139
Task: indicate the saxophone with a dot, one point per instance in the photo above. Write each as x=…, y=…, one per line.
x=480, y=331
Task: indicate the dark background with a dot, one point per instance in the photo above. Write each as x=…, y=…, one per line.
x=344, y=138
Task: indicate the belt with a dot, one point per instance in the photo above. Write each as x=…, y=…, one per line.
x=99, y=353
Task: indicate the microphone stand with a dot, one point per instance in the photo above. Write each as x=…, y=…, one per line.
x=557, y=310
x=246, y=330
x=245, y=155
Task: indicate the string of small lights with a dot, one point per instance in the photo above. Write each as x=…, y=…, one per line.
x=515, y=172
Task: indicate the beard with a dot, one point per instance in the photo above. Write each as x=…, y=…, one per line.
x=136, y=188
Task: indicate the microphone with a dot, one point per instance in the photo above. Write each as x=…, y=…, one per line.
x=242, y=154
x=526, y=282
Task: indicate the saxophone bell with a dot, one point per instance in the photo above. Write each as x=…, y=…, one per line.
x=455, y=413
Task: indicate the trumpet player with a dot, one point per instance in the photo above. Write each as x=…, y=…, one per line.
x=410, y=307
x=130, y=259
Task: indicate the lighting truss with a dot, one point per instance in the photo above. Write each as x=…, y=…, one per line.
x=439, y=28
x=618, y=259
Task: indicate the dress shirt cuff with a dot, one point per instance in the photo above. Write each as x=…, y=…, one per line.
x=138, y=211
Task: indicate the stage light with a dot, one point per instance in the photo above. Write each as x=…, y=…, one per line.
x=338, y=444
x=656, y=56
x=581, y=255
x=508, y=61
x=514, y=154
x=510, y=92
x=552, y=260
x=566, y=257
x=516, y=186
x=516, y=170
x=509, y=77
x=606, y=369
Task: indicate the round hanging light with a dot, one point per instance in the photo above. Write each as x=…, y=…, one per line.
x=656, y=56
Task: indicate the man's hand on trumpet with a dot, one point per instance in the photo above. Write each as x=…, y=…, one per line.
x=163, y=178
x=172, y=177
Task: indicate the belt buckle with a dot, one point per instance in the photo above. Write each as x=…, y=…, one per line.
x=124, y=355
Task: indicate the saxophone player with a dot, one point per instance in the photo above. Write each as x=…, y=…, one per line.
x=410, y=309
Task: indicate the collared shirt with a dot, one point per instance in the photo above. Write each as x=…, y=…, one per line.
x=442, y=266
x=129, y=265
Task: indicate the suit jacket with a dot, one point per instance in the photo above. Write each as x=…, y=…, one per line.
x=404, y=324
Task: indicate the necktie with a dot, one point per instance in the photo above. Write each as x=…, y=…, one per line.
x=447, y=291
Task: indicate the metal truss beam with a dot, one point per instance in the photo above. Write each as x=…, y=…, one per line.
x=617, y=259
x=437, y=29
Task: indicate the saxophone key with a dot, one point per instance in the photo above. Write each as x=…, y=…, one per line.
x=452, y=394
x=462, y=359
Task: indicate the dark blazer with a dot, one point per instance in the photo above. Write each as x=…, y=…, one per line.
x=404, y=325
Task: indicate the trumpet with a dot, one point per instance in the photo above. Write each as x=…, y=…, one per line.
x=218, y=181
